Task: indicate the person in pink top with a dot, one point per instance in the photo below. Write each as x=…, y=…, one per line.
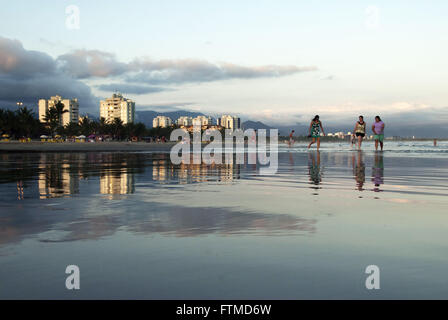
x=378, y=131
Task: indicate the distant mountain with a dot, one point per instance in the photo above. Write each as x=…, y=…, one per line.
x=147, y=116
x=256, y=125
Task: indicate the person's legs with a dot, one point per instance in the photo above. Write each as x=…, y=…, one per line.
x=381, y=144
x=311, y=143
x=318, y=144
x=376, y=144
x=359, y=142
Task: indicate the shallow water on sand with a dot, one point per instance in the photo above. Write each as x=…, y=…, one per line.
x=141, y=228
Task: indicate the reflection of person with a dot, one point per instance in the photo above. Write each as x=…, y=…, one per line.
x=291, y=138
x=359, y=170
x=314, y=168
x=353, y=140
x=315, y=127
x=378, y=131
x=378, y=172
x=360, y=130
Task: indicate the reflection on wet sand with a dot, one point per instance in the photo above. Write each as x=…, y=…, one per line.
x=57, y=175
x=163, y=170
x=146, y=218
x=378, y=171
x=359, y=169
x=315, y=170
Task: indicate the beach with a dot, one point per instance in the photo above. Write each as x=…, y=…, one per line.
x=140, y=227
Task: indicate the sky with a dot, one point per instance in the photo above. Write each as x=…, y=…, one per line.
x=280, y=62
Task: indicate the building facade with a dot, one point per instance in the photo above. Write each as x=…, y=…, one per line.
x=71, y=105
x=117, y=107
x=229, y=122
x=161, y=122
x=185, y=121
x=202, y=121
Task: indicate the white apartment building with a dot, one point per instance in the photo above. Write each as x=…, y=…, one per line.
x=117, y=107
x=71, y=105
x=202, y=121
x=185, y=121
x=229, y=122
x=162, y=122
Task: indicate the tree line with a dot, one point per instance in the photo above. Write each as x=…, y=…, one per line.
x=24, y=123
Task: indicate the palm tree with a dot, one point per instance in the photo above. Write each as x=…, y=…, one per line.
x=51, y=119
x=117, y=127
x=86, y=126
x=26, y=121
x=72, y=129
x=59, y=106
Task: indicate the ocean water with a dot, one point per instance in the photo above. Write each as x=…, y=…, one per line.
x=139, y=227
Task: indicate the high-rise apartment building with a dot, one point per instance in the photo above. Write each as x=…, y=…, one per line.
x=117, y=107
x=229, y=122
x=185, y=121
x=202, y=121
x=71, y=105
x=162, y=122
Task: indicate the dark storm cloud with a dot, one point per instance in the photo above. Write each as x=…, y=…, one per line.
x=18, y=63
x=28, y=76
x=131, y=88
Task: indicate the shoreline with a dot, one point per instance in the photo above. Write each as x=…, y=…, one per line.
x=38, y=146
x=35, y=146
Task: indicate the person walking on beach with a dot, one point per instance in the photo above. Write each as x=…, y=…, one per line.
x=315, y=127
x=291, y=138
x=378, y=131
x=360, y=131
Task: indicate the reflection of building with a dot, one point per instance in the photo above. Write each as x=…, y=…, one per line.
x=164, y=171
x=229, y=122
x=117, y=107
x=162, y=122
x=56, y=180
x=72, y=106
x=117, y=182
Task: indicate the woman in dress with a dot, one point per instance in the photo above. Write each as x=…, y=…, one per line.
x=360, y=130
x=315, y=127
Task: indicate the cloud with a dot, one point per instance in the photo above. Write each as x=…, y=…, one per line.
x=27, y=76
x=18, y=63
x=191, y=71
x=84, y=64
x=329, y=77
x=131, y=88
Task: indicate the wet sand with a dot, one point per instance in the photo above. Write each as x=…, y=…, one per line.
x=37, y=146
